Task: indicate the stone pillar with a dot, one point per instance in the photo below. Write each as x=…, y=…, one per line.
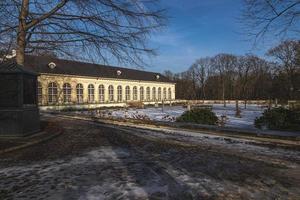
x=188, y=107
x=106, y=97
x=19, y=113
x=138, y=93
x=85, y=92
x=74, y=93
x=44, y=92
x=96, y=93
x=123, y=93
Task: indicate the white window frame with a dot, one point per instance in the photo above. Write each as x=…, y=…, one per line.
x=91, y=93
x=101, y=90
x=67, y=91
x=52, y=93
x=119, y=93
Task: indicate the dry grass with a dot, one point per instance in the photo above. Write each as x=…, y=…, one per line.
x=135, y=104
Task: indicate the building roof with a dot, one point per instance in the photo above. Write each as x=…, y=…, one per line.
x=11, y=67
x=40, y=64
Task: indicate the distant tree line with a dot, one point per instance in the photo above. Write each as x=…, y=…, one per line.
x=227, y=76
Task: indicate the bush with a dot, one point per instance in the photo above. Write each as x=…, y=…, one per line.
x=200, y=116
x=135, y=104
x=279, y=119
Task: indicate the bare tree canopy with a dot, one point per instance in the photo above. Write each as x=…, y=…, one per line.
x=245, y=77
x=275, y=17
x=101, y=29
x=287, y=55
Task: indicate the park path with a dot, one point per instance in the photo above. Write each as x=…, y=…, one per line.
x=97, y=161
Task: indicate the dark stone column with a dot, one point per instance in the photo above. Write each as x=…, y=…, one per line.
x=19, y=113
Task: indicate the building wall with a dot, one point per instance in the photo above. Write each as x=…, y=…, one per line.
x=60, y=80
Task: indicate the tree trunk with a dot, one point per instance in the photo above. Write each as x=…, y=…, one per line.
x=223, y=93
x=21, y=36
x=21, y=48
x=237, y=109
x=203, y=92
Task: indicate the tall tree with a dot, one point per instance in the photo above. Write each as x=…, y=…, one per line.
x=203, y=70
x=169, y=74
x=286, y=54
x=98, y=28
x=275, y=17
x=224, y=65
x=245, y=72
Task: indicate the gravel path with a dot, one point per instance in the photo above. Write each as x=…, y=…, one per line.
x=92, y=161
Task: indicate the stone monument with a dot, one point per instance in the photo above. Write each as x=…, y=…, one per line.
x=19, y=113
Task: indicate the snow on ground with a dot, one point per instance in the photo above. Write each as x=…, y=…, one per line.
x=142, y=168
x=170, y=113
x=103, y=173
x=248, y=115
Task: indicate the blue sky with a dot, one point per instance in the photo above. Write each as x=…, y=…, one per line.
x=199, y=28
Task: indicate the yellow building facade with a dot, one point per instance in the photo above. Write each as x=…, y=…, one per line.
x=63, y=83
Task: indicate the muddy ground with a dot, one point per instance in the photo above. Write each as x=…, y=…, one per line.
x=92, y=161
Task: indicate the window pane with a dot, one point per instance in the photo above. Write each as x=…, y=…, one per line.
x=154, y=94
x=52, y=93
x=134, y=93
x=159, y=94
x=148, y=93
x=101, y=93
x=67, y=92
x=127, y=91
x=79, y=93
x=119, y=93
x=141, y=93
x=91, y=93
x=111, y=93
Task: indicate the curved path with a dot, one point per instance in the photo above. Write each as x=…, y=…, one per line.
x=97, y=161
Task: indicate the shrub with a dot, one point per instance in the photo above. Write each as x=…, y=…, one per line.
x=200, y=116
x=279, y=119
x=135, y=104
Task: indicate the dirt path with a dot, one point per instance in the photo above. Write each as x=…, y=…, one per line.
x=92, y=161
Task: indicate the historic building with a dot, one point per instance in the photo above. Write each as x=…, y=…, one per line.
x=65, y=83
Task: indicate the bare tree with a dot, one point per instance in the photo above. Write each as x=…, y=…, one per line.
x=286, y=54
x=193, y=74
x=203, y=70
x=98, y=28
x=245, y=71
x=169, y=74
x=277, y=17
x=224, y=65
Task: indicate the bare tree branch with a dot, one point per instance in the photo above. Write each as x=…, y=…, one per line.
x=100, y=30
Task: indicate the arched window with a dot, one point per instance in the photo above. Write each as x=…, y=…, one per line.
x=164, y=94
x=111, y=93
x=148, y=93
x=91, y=93
x=134, y=93
x=169, y=94
x=127, y=92
x=101, y=93
x=119, y=90
x=52, y=92
x=67, y=92
x=142, y=93
x=40, y=93
x=79, y=93
x=159, y=94
x=154, y=94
